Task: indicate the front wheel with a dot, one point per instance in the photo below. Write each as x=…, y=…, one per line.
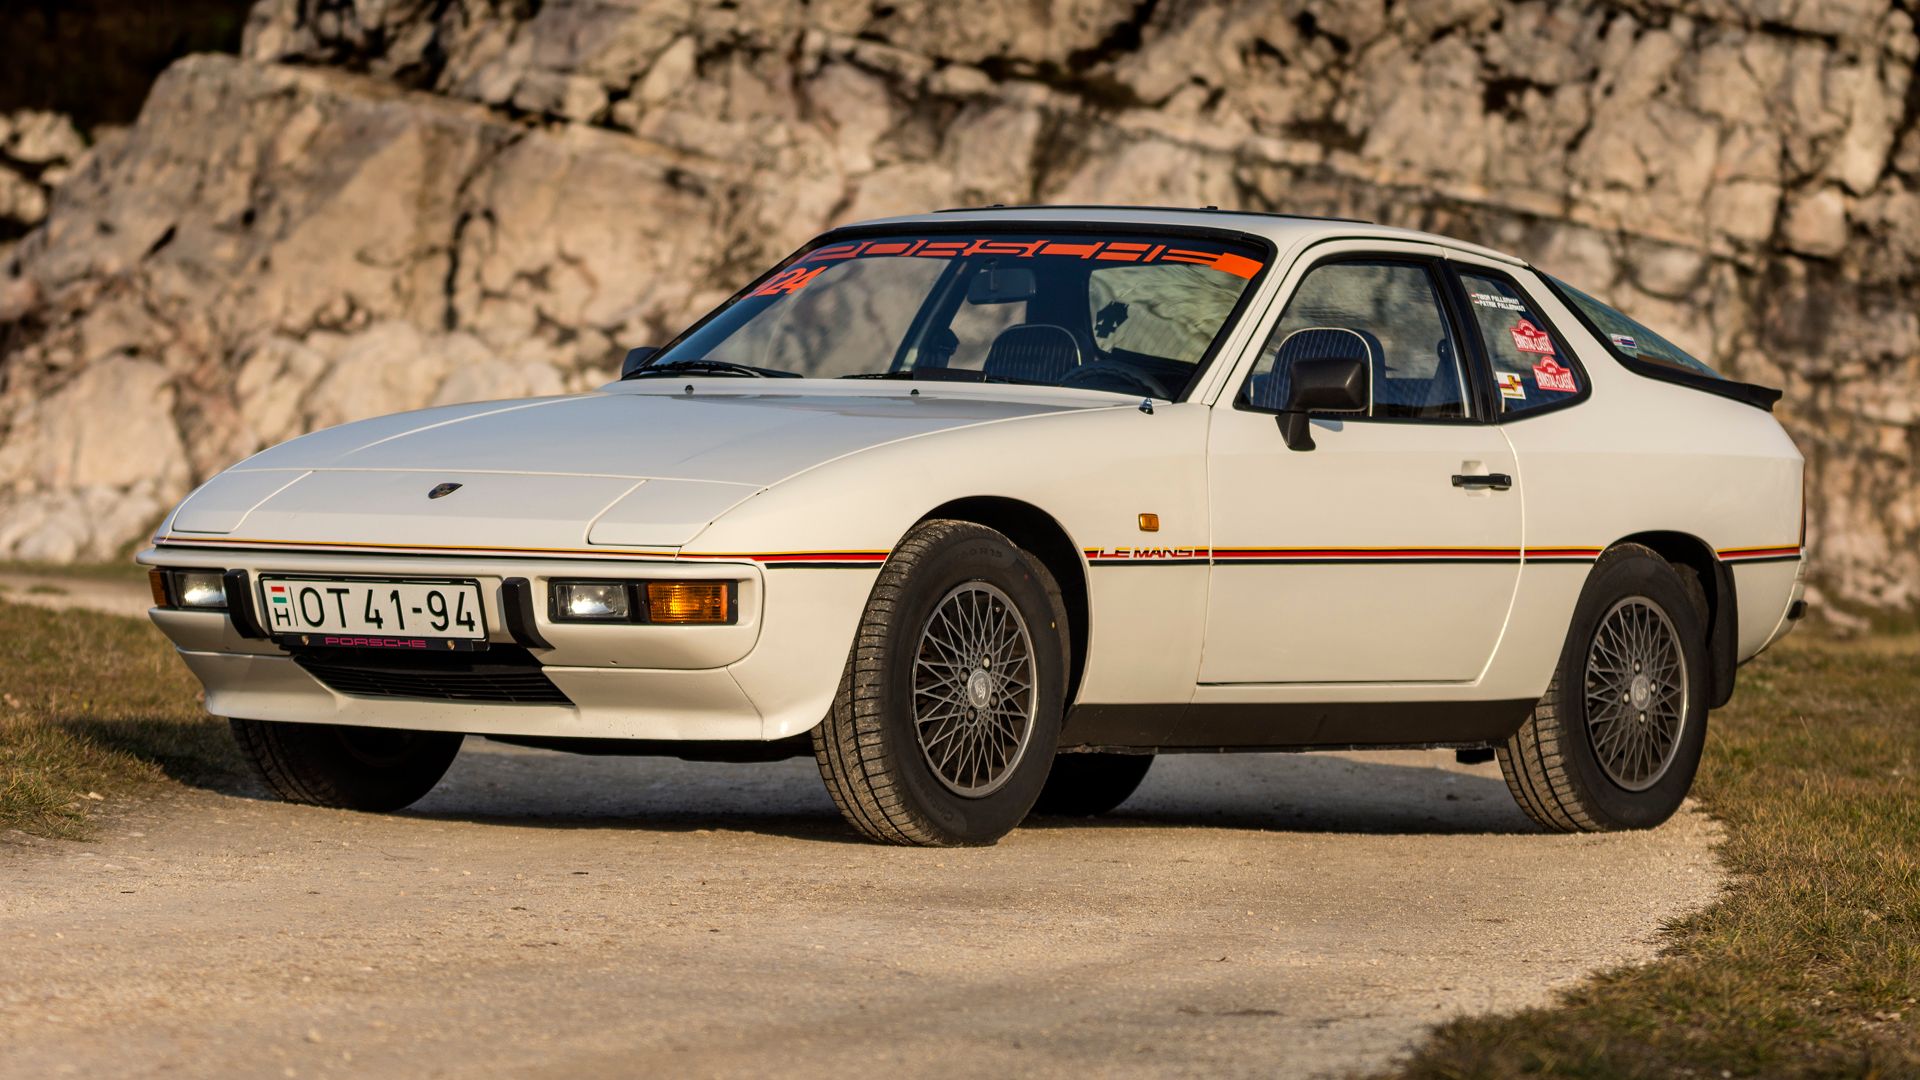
x=1615, y=741
x=949, y=708
x=346, y=767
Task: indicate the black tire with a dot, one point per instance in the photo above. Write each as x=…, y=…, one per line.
x=869, y=748
x=1555, y=765
x=346, y=767
x=1088, y=785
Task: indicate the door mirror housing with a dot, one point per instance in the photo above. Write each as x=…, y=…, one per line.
x=1336, y=384
x=1331, y=373
x=637, y=359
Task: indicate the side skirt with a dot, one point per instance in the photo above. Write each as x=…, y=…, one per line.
x=741, y=751
x=1328, y=726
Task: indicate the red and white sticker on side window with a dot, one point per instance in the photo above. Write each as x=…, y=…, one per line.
x=1548, y=375
x=1530, y=338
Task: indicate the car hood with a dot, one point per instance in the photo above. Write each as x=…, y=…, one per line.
x=637, y=467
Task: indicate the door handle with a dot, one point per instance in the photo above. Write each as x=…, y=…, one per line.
x=1498, y=481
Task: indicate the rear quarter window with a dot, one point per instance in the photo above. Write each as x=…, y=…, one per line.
x=1532, y=368
x=1631, y=339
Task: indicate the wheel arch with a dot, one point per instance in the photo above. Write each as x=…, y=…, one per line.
x=1038, y=532
x=1722, y=616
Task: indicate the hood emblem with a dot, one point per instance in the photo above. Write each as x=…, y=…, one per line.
x=441, y=491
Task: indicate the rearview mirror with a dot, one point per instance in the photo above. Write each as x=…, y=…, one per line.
x=637, y=359
x=1002, y=285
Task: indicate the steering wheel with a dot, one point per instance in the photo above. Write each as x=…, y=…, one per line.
x=1111, y=376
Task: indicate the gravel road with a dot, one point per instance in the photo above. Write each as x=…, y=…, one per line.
x=544, y=915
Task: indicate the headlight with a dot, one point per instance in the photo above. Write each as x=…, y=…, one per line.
x=592, y=601
x=202, y=590
x=670, y=602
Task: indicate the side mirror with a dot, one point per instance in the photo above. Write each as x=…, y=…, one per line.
x=637, y=359
x=1333, y=385
x=1328, y=369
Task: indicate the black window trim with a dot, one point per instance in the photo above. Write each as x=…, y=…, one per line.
x=1754, y=394
x=1472, y=406
x=1456, y=269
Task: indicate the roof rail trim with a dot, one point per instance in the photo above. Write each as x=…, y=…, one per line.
x=1136, y=206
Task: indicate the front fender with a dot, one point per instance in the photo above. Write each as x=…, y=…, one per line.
x=823, y=535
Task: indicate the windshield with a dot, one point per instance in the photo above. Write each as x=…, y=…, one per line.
x=1133, y=313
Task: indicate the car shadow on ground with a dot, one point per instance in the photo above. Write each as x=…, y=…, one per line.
x=1382, y=793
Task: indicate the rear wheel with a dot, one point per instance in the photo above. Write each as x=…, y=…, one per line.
x=1088, y=785
x=949, y=708
x=1615, y=742
x=346, y=767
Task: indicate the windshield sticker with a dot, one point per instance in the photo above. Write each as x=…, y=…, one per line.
x=1226, y=262
x=1548, y=375
x=1529, y=338
x=1624, y=343
x=1513, y=386
x=1504, y=303
x=790, y=280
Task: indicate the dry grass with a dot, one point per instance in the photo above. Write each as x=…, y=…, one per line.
x=1810, y=965
x=94, y=703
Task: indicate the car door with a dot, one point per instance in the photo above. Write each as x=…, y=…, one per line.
x=1388, y=553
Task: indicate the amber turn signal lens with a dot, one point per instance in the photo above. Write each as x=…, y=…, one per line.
x=157, y=581
x=1149, y=522
x=688, y=602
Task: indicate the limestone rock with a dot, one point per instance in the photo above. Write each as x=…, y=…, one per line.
x=37, y=151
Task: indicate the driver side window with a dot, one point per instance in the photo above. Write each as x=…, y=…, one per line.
x=1395, y=308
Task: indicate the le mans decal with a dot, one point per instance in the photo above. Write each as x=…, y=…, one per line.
x=1162, y=556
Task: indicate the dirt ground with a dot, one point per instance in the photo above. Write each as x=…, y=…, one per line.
x=546, y=915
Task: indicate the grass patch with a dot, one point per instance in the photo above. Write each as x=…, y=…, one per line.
x=95, y=703
x=1809, y=966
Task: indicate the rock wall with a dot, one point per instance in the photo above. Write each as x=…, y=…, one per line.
x=36, y=150
x=387, y=203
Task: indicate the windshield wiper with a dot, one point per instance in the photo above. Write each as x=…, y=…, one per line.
x=879, y=375
x=712, y=367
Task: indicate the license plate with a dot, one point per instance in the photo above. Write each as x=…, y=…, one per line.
x=368, y=613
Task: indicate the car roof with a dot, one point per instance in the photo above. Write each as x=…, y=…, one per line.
x=1284, y=230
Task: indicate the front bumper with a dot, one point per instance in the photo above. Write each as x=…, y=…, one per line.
x=758, y=678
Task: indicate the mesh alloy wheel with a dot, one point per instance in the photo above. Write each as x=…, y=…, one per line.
x=973, y=689
x=1636, y=693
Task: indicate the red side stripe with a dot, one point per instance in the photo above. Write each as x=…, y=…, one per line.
x=1736, y=554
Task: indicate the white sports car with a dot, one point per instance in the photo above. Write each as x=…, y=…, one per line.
x=985, y=508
